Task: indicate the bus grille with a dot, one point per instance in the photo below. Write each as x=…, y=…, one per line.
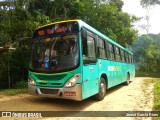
x=49, y=91
x=50, y=77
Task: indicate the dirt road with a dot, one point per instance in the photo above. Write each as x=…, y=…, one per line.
x=135, y=97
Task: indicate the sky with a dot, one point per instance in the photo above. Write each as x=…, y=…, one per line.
x=133, y=7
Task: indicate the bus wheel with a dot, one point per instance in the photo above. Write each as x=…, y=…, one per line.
x=128, y=80
x=102, y=90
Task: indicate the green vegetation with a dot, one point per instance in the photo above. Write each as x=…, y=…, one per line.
x=20, y=88
x=156, y=91
x=147, y=74
x=147, y=53
x=12, y=92
x=149, y=2
x=19, y=18
x=157, y=95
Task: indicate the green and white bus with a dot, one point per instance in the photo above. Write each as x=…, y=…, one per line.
x=72, y=60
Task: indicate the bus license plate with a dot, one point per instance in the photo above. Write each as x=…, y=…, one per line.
x=69, y=93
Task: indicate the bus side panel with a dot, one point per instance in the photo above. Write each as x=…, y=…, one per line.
x=104, y=69
x=132, y=71
x=115, y=73
x=124, y=68
x=118, y=73
x=109, y=68
x=90, y=80
x=112, y=70
x=127, y=68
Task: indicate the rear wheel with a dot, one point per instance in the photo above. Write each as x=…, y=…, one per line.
x=102, y=90
x=128, y=80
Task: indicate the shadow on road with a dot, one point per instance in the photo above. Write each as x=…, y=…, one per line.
x=70, y=105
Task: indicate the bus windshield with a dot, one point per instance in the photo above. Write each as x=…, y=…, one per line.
x=54, y=54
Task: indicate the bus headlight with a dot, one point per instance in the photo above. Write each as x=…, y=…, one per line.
x=72, y=81
x=31, y=81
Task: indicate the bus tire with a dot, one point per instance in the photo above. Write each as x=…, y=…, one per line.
x=102, y=90
x=128, y=80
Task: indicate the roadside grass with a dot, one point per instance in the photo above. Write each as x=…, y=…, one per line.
x=12, y=92
x=20, y=88
x=156, y=106
x=156, y=90
x=157, y=95
x=147, y=74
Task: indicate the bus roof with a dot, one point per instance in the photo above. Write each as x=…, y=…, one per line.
x=83, y=24
x=58, y=22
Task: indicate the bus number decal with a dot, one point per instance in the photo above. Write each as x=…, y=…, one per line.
x=114, y=68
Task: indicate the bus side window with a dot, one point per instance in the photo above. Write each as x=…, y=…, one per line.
x=117, y=54
x=130, y=58
x=84, y=41
x=114, y=52
x=89, y=49
x=107, y=50
x=101, y=48
x=122, y=55
x=111, y=49
x=126, y=57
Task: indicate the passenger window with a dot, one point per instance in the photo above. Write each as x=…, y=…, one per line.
x=122, y=55
x=101, y=48
x=130, y=58
x=126, y=57
x=117, y=54
x=112, y=55
x=107, y=50
x=89, y=51
x=91, y=47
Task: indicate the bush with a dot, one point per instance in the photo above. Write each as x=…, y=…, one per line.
x=157, y=95
x=147, y=74
x=21, y=84
x=12, y=92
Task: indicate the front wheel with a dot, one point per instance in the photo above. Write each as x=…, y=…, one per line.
x=102, y=90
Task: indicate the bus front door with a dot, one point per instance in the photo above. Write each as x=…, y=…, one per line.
x=90, y=80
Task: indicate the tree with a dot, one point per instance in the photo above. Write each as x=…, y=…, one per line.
x=15, y=23
x=19, y=18
x=118, y=3
x=110, y=21
x=147, y=53
x=148, y=5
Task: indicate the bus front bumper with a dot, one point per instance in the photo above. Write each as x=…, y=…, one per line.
x=73, y=93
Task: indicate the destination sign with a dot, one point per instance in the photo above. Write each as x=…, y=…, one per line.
x=65, y=27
